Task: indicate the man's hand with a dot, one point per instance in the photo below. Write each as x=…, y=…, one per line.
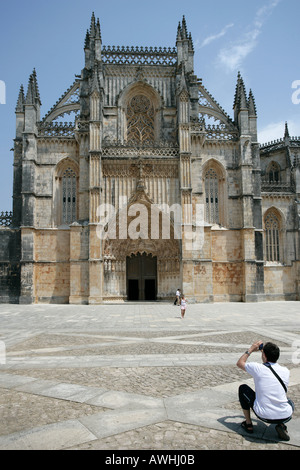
x=243, y=359
x=255, y=346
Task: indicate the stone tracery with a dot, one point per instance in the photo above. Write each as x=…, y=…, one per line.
x=140, y=119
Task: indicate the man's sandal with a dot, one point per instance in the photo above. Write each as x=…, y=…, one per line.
x=248, y=427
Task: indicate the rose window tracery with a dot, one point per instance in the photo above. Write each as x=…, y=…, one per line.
x=140, y=119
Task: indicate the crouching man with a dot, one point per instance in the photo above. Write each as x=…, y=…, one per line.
x=269, y=401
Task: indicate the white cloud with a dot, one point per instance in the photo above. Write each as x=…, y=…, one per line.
x=275, y=130
x=231, y=57
x=213, y=37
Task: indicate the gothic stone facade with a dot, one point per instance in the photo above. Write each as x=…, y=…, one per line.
x=151, y=187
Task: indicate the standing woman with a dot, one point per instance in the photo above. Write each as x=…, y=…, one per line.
x=183, y=305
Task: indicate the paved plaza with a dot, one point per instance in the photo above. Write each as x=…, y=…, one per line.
x=136, y=376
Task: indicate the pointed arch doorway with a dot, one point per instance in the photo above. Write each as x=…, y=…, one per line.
x=141, y=277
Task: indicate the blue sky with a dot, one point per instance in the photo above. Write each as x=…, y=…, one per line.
x=258, y=38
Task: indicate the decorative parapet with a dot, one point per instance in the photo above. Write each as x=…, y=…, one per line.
x=56, y=129
x=5, y=219
x=161, y=148
x=139, y=55
x=213, y=132
x=277, y=187
x=220, y=132
x=279, y=143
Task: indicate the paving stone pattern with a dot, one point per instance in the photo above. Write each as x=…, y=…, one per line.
x=136, y=376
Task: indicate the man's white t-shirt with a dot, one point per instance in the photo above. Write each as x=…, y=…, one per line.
x=270, y=397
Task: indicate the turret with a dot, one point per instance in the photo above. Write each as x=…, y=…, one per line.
x=245, y=115
x=32, y=104
x=93, y=43
x=185, y=48
x=240, y=106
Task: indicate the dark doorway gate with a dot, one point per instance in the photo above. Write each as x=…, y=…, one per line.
x=141, y=277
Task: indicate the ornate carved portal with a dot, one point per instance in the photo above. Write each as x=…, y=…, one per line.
x=144, y=264
x=141, y=277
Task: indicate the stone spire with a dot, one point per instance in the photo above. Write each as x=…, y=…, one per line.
x=33, y=94
x=93, y=26
x=30, y=92
x=251, y=104
x=98, y=30
x=21, y=100
x=20, y=113
x=32, y=103
x=240, y=97
x=93, y=43
x=36, y=87
x=183, y=34
x=237, y=96
x=252, y=116
x=185, y=47
x=286, y=132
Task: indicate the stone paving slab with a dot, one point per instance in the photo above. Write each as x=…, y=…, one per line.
x=52, y=437
x=121, y=420
x=143, y=360
x=116, y=400
x=13, y=381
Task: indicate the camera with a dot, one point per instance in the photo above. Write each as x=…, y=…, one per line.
x=261, y=347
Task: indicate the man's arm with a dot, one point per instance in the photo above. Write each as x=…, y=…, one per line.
x=243, y=359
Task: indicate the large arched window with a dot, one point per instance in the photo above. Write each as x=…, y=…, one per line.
x=69, y=196
x=272, y=236
x=215, y=194
x=211, y=196
x=66, y=192
x=140, y=119
x=273, y=173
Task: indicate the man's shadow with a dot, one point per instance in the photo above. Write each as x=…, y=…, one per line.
x=261, y=430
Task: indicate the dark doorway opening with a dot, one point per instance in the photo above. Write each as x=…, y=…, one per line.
x=141, y=274
x=133, y=289
x=150, y=293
